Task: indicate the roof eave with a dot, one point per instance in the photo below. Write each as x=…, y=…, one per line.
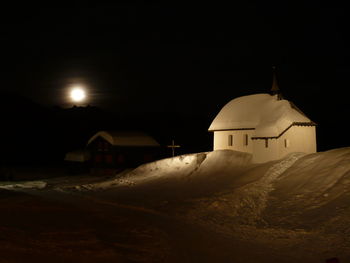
x=311, y=123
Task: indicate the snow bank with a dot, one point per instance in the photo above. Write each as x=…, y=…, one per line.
x=245, y=200
x=23, y=185
x=299, y=208
x=295, y=209
x=316, y=190
x=188, y=174
x=292, y=210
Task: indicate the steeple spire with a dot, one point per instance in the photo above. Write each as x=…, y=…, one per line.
x=275, y=90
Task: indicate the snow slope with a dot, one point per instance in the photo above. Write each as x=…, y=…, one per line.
x=297, y=208
x=291, y=210
x=182, y=176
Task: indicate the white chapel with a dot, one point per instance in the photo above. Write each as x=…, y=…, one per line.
x=265, y=125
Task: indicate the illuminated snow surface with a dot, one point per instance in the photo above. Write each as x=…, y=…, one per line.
x=205, y=207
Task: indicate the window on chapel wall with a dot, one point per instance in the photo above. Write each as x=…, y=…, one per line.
x=286, y=143
x=245, y=139
x=230, y=140
x=266, y=143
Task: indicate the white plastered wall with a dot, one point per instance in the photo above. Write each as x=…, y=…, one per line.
x=296, y=139
x=221, y=140
x=261, y=153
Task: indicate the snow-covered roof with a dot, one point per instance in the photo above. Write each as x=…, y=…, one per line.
x=122, y=138
x=266, y=114
x=77, y=156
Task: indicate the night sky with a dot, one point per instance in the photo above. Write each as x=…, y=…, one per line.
x=181, y=62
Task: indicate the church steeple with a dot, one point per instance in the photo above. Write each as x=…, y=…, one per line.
x=275, y=90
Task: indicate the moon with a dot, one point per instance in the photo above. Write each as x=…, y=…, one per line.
x=77, y=94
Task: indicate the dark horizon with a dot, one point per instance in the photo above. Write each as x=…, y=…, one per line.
x=70, y=128
x=171, y=68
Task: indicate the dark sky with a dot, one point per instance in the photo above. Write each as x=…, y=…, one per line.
x=182, y=58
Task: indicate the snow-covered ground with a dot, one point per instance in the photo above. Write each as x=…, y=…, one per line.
x=206, y=207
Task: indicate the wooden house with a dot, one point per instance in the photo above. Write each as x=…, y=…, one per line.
x=119, y=149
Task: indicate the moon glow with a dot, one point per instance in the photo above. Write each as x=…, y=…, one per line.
x=77, y=94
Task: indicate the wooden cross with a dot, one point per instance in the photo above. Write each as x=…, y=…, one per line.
x=173, y=146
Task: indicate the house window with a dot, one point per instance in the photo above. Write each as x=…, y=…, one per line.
x=120, y=159
x=286, y=143
x=230, y=140
x=105, y=146
x=100, y=146
x=266, y=143
x=98, y=158
x=109, y=158
x=245, y=139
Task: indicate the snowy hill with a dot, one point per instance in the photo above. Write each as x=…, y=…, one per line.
x=297, y=207
x=294, y=209
x=189, y=174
